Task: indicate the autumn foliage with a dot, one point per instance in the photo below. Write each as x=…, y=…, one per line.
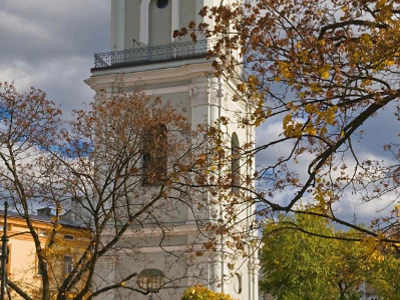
x=318, y=71
x=200, y=292
x=94, y=164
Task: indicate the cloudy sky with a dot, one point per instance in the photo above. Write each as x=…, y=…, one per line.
x=49, y=44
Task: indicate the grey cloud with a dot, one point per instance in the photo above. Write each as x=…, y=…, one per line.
x=379, y=130
x=54, y=28
x=49, y=44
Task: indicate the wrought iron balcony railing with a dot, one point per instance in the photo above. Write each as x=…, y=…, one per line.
x=145, y=55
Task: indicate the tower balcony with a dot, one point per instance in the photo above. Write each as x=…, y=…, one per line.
x=151, y=54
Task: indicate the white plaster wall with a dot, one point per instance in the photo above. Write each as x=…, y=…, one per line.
x=205, y=98
x=142, y=21
x=160, y=23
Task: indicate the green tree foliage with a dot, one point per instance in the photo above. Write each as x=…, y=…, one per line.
x=385, y=273
x=200, y=292
x=306, y=258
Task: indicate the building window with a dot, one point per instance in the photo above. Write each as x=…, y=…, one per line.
x=151, y=23
x=68, y=264
x=238, y=283
x=155, y=144
x=38, y=271
x=162, y=3
x=235, y=164
x=9, y=227
x=42, y=233
x=69, y=237
x=8, y=259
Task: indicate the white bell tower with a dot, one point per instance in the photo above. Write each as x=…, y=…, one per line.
x=145, y=54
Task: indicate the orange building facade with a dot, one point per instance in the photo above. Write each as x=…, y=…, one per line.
x=22, y=267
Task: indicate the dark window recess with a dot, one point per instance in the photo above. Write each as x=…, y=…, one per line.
x=68, y=264
x=238, y=283
x=235, y=165
x=69, y=237
x=7, y=261
x=39, y=272
x=155, y=145
x=162, y=3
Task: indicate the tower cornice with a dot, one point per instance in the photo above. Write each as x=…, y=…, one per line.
x=137, y=76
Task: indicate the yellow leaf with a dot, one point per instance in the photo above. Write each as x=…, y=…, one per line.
x=284, y=67
x=258, y=121
x=287, y=119
x=253, y=79
x=242, y=87
x=309, y=108
x=366, y=38
x=310, y=130
x=277, y=78
x=380, y=4
x=325, y=75
x=315, y=87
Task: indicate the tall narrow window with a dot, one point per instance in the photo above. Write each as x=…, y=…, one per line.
x=235, y=164
x=68, y=264
x=39, y=272
x=155, y=145
x=8, y=260
x=160, y=22
x=237, y=285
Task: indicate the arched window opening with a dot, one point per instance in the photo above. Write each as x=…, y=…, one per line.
x=235, y=164
x=237, y=285
x=160, y=22
x=155, y=145
x=158, y=19
x=162, y=3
